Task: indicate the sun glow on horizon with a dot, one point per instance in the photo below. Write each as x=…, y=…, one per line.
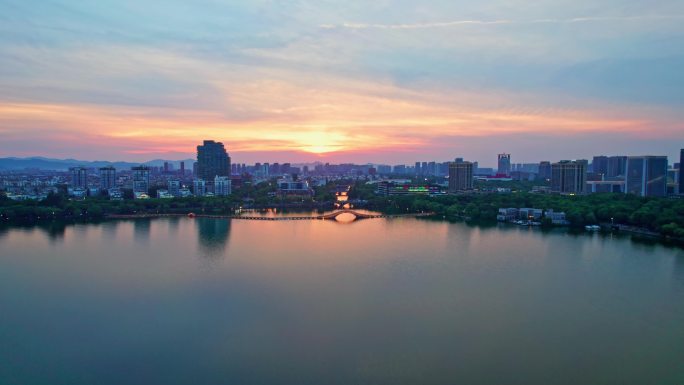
x=398, y=125
x=321, y=149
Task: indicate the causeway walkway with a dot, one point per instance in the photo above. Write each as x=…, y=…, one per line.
x=328, y=216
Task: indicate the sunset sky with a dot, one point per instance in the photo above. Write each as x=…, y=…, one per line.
x=362, y=81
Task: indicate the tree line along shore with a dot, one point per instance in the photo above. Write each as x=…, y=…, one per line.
x=662, y=216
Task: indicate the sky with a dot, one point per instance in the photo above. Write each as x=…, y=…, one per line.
x=378, y=81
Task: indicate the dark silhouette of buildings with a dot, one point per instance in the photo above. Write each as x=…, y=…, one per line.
x=616, y=166
x=646, y=175
x=107, y=177
x=545, y=170
x=460, y=176
x=504, y=164
x=79, y=177
x=212, y=161
x=141, y=179
x=569, y=177
x=600, y=165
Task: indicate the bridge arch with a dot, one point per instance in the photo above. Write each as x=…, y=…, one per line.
x=337, y=213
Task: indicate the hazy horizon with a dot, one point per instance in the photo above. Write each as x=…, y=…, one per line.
x=487, y=163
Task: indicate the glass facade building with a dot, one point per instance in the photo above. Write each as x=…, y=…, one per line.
x=646, y=175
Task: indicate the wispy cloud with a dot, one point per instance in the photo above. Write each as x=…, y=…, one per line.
x=456, y=23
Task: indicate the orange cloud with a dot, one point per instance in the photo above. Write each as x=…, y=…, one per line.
x=334, y=116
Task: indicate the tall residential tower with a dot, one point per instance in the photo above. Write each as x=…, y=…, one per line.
x=212, y=161
x=460, y=176
x=79, y=177
x=107, y=177
x=569, y=177
x=141, y=179
x=504, y=163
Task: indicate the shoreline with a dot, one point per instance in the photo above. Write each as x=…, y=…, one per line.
x=621, y=230
x=329, y=216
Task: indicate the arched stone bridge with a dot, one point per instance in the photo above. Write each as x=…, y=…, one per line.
x=357, y=215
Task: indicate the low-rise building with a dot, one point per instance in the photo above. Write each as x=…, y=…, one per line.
x=140, y=195
x=222, y=186
x=78, y=193
x=199, y=187
x=115, y=194
x=507, y=214
x=530, y=213
x=606, y=186
x=174, y=187
x=164, y=194
x=557, y=218
x=287, y=186
x=390, y=188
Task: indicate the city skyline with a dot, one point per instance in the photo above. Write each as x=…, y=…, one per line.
x=391, y=81
x=481, y=163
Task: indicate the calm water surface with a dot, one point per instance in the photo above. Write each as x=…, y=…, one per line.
x=399, y=301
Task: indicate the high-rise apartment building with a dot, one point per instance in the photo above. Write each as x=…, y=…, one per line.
x=212, y=160
x=107, y=177
x=646, y=176
x=504, y=163
x=79, y=177
x=460, y=176
x=141, y=179
x=569, y=177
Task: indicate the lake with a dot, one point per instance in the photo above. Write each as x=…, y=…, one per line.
x=376, y=301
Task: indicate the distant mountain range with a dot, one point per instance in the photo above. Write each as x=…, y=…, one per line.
x=13, y=163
